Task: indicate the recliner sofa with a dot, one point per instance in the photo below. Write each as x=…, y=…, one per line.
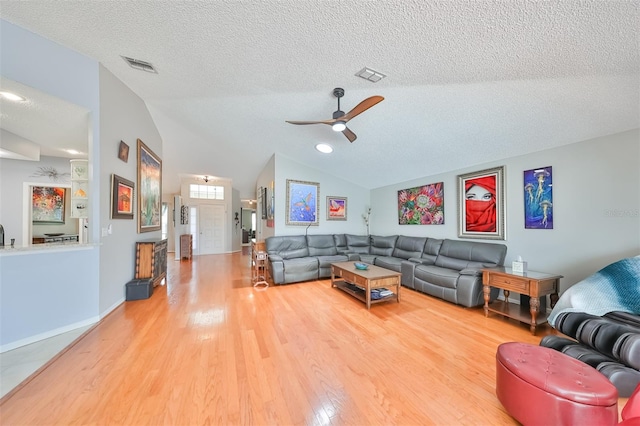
x=448, y=269
x=609, y=343
x=455, y=274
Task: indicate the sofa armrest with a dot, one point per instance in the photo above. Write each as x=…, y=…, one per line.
x=472, y=272
x=276, y=268
x=407, y=268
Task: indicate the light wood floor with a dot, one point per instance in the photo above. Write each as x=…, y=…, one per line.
x=209, y=348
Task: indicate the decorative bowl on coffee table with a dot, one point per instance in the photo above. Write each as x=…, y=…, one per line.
x=361, y=266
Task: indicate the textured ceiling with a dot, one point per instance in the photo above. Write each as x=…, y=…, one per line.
x=468, y=81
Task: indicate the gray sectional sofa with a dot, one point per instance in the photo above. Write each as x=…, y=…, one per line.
x=448, y=269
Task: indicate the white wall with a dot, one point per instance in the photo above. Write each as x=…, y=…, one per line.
x=62, y=291
x=596, y=199
x=357, y=200
x=266, y=176
x=123, y=116
x=236, y=229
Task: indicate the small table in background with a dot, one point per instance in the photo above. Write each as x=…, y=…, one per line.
x=533, y=284
x=259, y=271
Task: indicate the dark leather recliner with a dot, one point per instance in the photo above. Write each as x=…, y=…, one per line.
x=610, y=344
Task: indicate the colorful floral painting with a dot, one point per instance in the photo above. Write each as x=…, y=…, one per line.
x=538, y=199
x=422, y=205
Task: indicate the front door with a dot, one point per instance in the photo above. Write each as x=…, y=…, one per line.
x=211, y=229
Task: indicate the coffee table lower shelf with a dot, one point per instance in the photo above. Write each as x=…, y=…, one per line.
x=361, y=295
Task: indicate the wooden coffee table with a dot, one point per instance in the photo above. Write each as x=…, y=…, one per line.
x=345, y=273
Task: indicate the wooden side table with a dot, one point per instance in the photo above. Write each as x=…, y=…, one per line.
x=260, y=270
x=186, y=246
x=533, y=284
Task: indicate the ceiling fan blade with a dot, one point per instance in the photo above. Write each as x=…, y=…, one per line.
x=362, y=107
x=312, y=122
x=349, y=134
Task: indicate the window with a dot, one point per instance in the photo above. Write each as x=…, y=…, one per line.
x=193, y=229
x=206, y=192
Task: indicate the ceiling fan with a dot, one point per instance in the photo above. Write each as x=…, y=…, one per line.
x=340, y=119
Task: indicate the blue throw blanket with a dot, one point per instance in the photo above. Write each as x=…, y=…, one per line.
x=615, y=287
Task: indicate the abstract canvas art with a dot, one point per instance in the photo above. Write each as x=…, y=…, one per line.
x=48, y=204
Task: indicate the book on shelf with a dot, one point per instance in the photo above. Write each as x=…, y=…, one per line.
x=379, y=293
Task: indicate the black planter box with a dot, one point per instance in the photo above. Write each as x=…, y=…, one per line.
x=139, y=289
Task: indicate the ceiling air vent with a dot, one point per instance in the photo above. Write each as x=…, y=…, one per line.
x=370, y=75
x=140, y=65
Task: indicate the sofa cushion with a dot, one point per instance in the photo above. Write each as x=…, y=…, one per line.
x=382, y=246
x=357, y=243
x=443, y=277
x=340, y=242
x=287, y=246
x=393, y=263
x=431, y=250
x=367, y=258
x=321, y=245
x=300, y=269
x=326, y=261
x=459, y=255
x=408, y=247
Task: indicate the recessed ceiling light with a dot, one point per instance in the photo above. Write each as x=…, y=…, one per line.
x=324, y=148
x=73, y=151
x=12, y=97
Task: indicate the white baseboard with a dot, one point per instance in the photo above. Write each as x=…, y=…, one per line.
x=36, y=338
x=51, y=333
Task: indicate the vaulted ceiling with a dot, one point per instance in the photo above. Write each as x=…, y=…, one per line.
x=466, y=81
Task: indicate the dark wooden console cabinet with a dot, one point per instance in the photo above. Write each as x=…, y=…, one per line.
x=151, y=260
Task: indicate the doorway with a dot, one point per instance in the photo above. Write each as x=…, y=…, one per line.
x=248, y=225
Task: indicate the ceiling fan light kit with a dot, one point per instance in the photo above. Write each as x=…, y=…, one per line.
x=340, y=119
x=339, y=126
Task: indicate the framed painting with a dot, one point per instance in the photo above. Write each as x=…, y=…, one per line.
x=422, y=205
x=149, y=189
x=270, y=201
x=123, y=152
x=481, y=204
x=47, y=204
x=336, y=208
x=121, y=198
x=265, y=202
x=538, y=198
x=302, y=203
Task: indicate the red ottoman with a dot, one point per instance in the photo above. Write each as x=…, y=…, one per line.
x=541, y=386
